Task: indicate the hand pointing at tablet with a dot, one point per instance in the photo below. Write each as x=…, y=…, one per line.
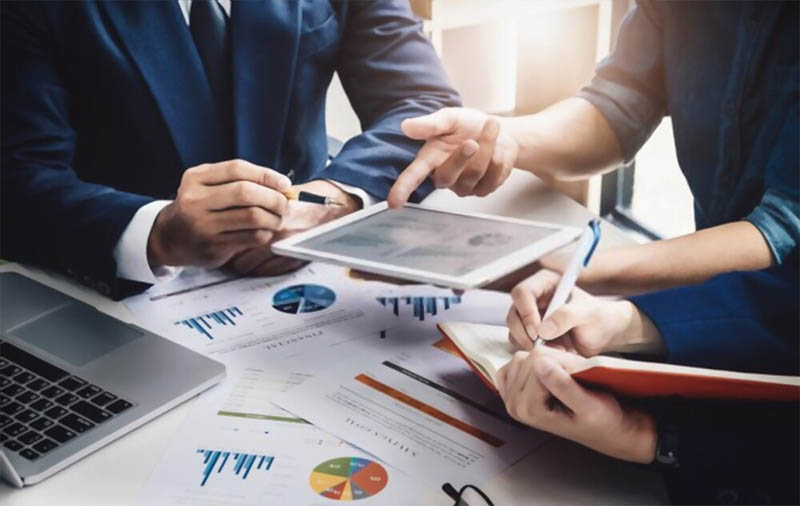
x=465, y=150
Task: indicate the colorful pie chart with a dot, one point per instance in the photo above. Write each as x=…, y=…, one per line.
x=303, y=299
x=348, y=478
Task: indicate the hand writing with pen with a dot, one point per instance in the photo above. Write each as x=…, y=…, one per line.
x=538, y=391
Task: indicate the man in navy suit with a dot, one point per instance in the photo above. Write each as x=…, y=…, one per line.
x=138, y=137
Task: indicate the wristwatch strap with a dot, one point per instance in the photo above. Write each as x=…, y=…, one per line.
x=667, y=448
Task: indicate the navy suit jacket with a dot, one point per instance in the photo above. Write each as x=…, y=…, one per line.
x=104, y=105
x=733, y=452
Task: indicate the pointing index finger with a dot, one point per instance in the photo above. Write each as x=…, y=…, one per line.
x=413, y=176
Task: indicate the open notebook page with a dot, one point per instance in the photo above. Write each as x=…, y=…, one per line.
x=487, y=346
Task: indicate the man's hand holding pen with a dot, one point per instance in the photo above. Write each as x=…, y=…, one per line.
x=228, y=214
x=308, y=205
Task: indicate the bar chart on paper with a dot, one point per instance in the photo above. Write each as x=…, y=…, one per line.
x=240, y=465
x=420, y=306
x=282, y=315
x=205, y=324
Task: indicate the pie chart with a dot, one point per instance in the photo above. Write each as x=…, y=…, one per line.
x=303, y=299
x=348, y=478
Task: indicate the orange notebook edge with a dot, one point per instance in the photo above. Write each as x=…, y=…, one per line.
x=652, y=384
x=645, y=383
x=486, y=381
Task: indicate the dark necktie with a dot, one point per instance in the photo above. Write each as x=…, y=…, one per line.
x=209, y=26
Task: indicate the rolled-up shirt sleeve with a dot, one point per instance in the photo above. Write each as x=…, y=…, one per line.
x=777, y=217
x=628, y=87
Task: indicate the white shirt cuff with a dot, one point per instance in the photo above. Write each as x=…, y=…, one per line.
x=366, y=199
x=130, y=253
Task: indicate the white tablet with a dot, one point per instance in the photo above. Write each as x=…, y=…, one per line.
x=429, y=245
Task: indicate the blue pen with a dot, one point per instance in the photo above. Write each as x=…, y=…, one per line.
x=580, y=259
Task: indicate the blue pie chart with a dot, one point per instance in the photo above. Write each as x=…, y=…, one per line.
x=303, y=299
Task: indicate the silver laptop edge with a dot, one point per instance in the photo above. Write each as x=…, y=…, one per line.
x=31, y=480
x=7, y=472
x=151, y=373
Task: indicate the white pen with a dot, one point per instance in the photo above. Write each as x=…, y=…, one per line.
x=580, y=259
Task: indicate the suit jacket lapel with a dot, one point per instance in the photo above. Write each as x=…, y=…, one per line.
x=265, y=41
x=159, y=41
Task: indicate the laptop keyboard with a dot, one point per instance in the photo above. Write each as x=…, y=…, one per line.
x=43, y=406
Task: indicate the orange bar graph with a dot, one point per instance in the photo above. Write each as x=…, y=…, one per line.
x=430, y=410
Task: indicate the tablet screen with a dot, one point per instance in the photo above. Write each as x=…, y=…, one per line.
x=428, y=240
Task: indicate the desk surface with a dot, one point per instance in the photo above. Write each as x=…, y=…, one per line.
x=558, y=473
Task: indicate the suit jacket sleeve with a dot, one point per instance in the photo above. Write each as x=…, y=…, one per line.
x=49, y=215
x=390, y=72
x=732, y=452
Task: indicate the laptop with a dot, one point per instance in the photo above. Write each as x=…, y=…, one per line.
x=73, y=379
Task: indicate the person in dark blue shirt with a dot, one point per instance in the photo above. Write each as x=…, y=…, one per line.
x=725, y=72
x=712, y=451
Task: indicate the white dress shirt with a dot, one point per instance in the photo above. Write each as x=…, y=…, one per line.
x=130, y=252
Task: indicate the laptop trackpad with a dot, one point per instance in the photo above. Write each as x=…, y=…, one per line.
x=77, y=333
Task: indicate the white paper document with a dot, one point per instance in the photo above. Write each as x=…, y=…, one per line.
x=278, y=335
x=235, y=449
x=270, y=316
x=244, y=464
x=417, y=405
x=317, y=306
x=428, y=305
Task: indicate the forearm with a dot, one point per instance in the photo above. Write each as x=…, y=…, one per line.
x=637, y=333
x=569, y=140
x=689, y=259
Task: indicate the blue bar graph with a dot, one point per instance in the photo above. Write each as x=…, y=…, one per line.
x=421, y=306
x=242, y=463
x=203, y=324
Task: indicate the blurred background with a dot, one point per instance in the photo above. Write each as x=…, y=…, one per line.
x=513, y=57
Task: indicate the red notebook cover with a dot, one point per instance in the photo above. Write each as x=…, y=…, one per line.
x=639, y=383
x=663, y=384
